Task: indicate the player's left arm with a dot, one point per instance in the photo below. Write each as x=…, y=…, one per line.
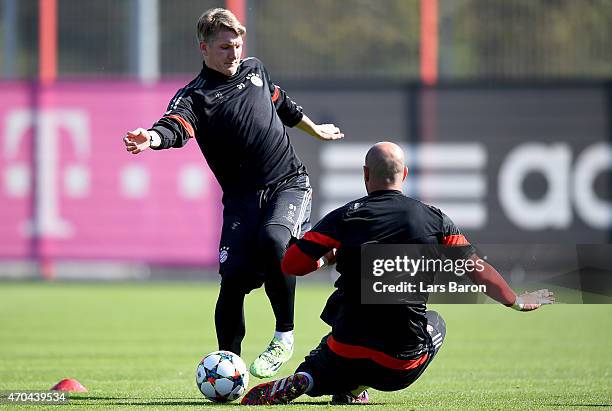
x=292, y=115
x=320, y=131
x=317, y=248
x=297, y=262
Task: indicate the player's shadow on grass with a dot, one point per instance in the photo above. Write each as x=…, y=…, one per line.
x=172, y=402
x=201, y=403
x=160, y=401
x=196, y=403
x=328, y=403
x=214, y=404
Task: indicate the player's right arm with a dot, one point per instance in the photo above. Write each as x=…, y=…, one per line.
x=496, y=287
x=499, y=290
x=136, y=141
x=174, y=129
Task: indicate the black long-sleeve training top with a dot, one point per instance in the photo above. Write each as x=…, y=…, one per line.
x=382, y=217
x=239, y=123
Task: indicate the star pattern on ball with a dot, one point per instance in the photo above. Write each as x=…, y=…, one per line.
x=212, y=375
x=221, y=376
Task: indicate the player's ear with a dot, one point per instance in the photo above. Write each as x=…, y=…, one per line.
x=405, y=173
x=204, y=48
x=366, y=174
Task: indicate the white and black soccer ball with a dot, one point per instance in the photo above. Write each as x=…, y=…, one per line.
x=222, y=376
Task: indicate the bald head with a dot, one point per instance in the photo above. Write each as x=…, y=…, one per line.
x=384, y=167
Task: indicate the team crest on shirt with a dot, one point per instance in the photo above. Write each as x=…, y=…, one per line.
x=255, y=79
x=223, y=254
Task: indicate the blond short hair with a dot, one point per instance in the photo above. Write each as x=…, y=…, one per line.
x=212, y=21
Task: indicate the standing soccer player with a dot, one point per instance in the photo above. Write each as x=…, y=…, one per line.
x=238, y=117
x=386, y=347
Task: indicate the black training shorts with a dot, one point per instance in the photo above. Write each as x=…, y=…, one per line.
x=286, y=203
x=336, y=374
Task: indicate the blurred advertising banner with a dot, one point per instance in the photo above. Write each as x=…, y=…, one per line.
x=509, y=164
x=73, y=192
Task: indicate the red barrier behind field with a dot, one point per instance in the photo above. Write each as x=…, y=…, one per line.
x=74, y=192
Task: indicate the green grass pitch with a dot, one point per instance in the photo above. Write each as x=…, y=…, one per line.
x=136, y=346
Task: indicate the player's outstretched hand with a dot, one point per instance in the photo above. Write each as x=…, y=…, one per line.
x=137, y=140
x=533, y=300
x=328, y=132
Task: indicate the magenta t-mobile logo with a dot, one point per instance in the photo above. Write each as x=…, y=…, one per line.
x=48, y=124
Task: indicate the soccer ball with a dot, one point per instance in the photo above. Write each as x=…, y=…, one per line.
x=222, y=376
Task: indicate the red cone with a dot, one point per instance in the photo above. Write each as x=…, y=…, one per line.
x=69, y=385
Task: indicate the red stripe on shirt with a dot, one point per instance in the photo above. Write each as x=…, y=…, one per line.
x=457, y=239
x=276, y=94
x=380, y=358
x=297, y=262
x=183, y=123
x=322, y=239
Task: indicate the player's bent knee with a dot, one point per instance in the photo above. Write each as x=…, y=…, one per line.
x=275, y=237
x=436, y=327
x=436, y=320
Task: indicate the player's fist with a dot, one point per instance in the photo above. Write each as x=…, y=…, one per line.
x=330, y=257
x=533, y=300
x=137, y=140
